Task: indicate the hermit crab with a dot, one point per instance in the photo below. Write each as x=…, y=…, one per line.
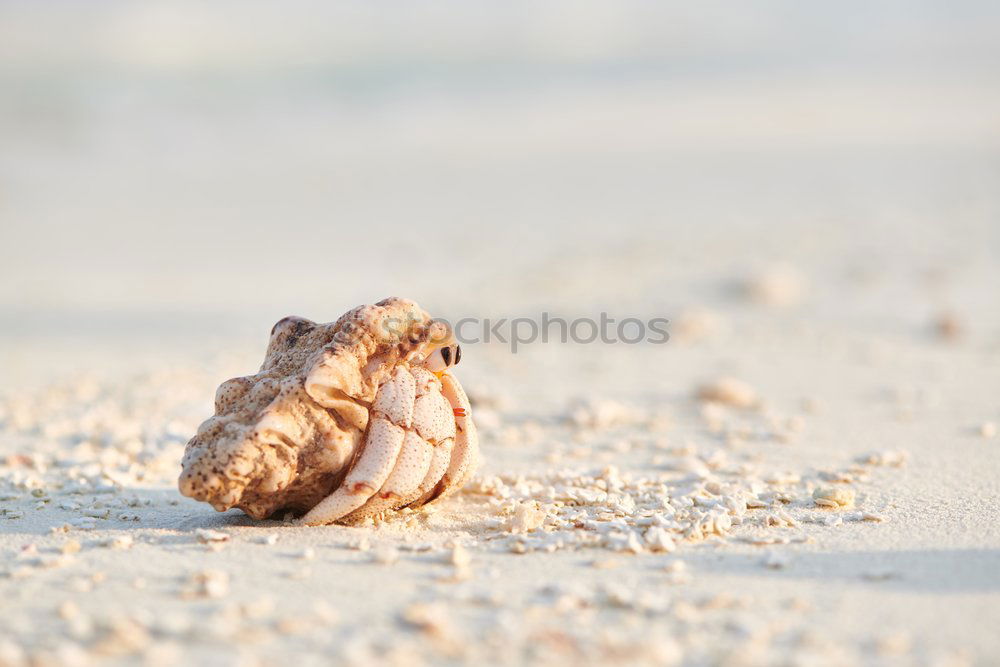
x=343, y=421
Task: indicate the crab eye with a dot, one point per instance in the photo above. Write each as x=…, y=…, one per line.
x=435, y=361
x=442, y=358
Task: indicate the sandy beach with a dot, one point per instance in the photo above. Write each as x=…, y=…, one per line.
x=806, y=473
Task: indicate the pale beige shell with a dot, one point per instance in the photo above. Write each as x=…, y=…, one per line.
x=287, y=437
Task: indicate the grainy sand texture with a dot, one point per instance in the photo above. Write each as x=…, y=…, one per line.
x=806, y=473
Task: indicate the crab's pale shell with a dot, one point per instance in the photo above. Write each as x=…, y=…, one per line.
x=340, y=416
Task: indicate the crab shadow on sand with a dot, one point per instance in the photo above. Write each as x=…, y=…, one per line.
x=163, y=510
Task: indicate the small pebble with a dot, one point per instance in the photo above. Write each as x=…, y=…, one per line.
x=206, y=536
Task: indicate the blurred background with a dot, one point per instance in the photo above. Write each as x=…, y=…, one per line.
x=174, y=175
x=809, y=191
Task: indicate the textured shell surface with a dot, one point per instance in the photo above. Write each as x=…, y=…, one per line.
x=287, y=437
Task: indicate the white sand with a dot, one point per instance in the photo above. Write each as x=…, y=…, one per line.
x=920, y=586
x=159, y=215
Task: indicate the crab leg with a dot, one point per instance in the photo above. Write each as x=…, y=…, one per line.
x=438, y=467
x=392, y=414
x=411, y=467
x=465, y=455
